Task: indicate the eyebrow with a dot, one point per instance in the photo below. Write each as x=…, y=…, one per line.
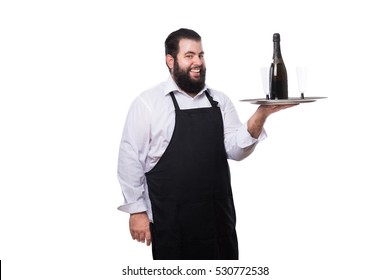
x=191, y=52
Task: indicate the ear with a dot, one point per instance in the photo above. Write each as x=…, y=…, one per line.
x=170, y=61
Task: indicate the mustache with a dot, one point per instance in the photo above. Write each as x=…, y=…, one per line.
x=202, y=67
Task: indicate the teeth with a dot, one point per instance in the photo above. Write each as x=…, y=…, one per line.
x=195, y=70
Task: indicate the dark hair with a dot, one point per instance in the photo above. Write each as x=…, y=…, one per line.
x=173, y=39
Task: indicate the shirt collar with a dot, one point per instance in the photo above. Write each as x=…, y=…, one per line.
x=170, y=86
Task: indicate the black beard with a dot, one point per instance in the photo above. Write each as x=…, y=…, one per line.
x=185, y=82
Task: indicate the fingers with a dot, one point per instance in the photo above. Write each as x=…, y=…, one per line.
x=270, y=109
x=142, y=236
x=138, y=235
x=281, y=107
x=148, y=238
x=139, y=228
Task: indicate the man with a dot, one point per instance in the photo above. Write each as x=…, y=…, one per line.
x=173, y=167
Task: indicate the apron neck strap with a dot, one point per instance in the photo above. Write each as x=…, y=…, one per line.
x=174, y=100
x=211, y=100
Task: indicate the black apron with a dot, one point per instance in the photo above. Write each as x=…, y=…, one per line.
x=190, y=191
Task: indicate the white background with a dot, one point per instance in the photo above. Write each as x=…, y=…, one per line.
x=312, y=201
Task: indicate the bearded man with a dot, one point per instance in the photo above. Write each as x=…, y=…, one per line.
x=173, y=168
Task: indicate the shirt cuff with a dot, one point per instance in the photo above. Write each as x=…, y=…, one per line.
x=244, y=139
x=136, y=207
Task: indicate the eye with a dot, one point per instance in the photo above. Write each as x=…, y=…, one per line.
x=190, y=56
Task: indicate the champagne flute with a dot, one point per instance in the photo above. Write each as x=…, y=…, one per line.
x=302, y=79
x=265, y=80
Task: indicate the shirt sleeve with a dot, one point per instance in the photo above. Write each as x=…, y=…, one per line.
x=132, y=157
x=239, y=144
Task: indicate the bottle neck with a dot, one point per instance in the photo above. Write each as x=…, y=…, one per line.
x=277, y=51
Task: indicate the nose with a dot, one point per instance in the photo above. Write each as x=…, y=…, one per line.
x=197, y=60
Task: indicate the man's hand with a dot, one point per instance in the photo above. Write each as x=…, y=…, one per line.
x=139, y=227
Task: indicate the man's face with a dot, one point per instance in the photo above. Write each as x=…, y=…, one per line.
x=189, y=68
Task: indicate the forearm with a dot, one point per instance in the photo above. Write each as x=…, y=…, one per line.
x=132, y=157
x=241, y=144
x=133, y=191
x=131, y=176
x=256, y=123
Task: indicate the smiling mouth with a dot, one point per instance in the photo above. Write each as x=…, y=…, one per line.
x=195, y=70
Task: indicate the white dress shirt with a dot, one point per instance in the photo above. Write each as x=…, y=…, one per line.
x=149, y=127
